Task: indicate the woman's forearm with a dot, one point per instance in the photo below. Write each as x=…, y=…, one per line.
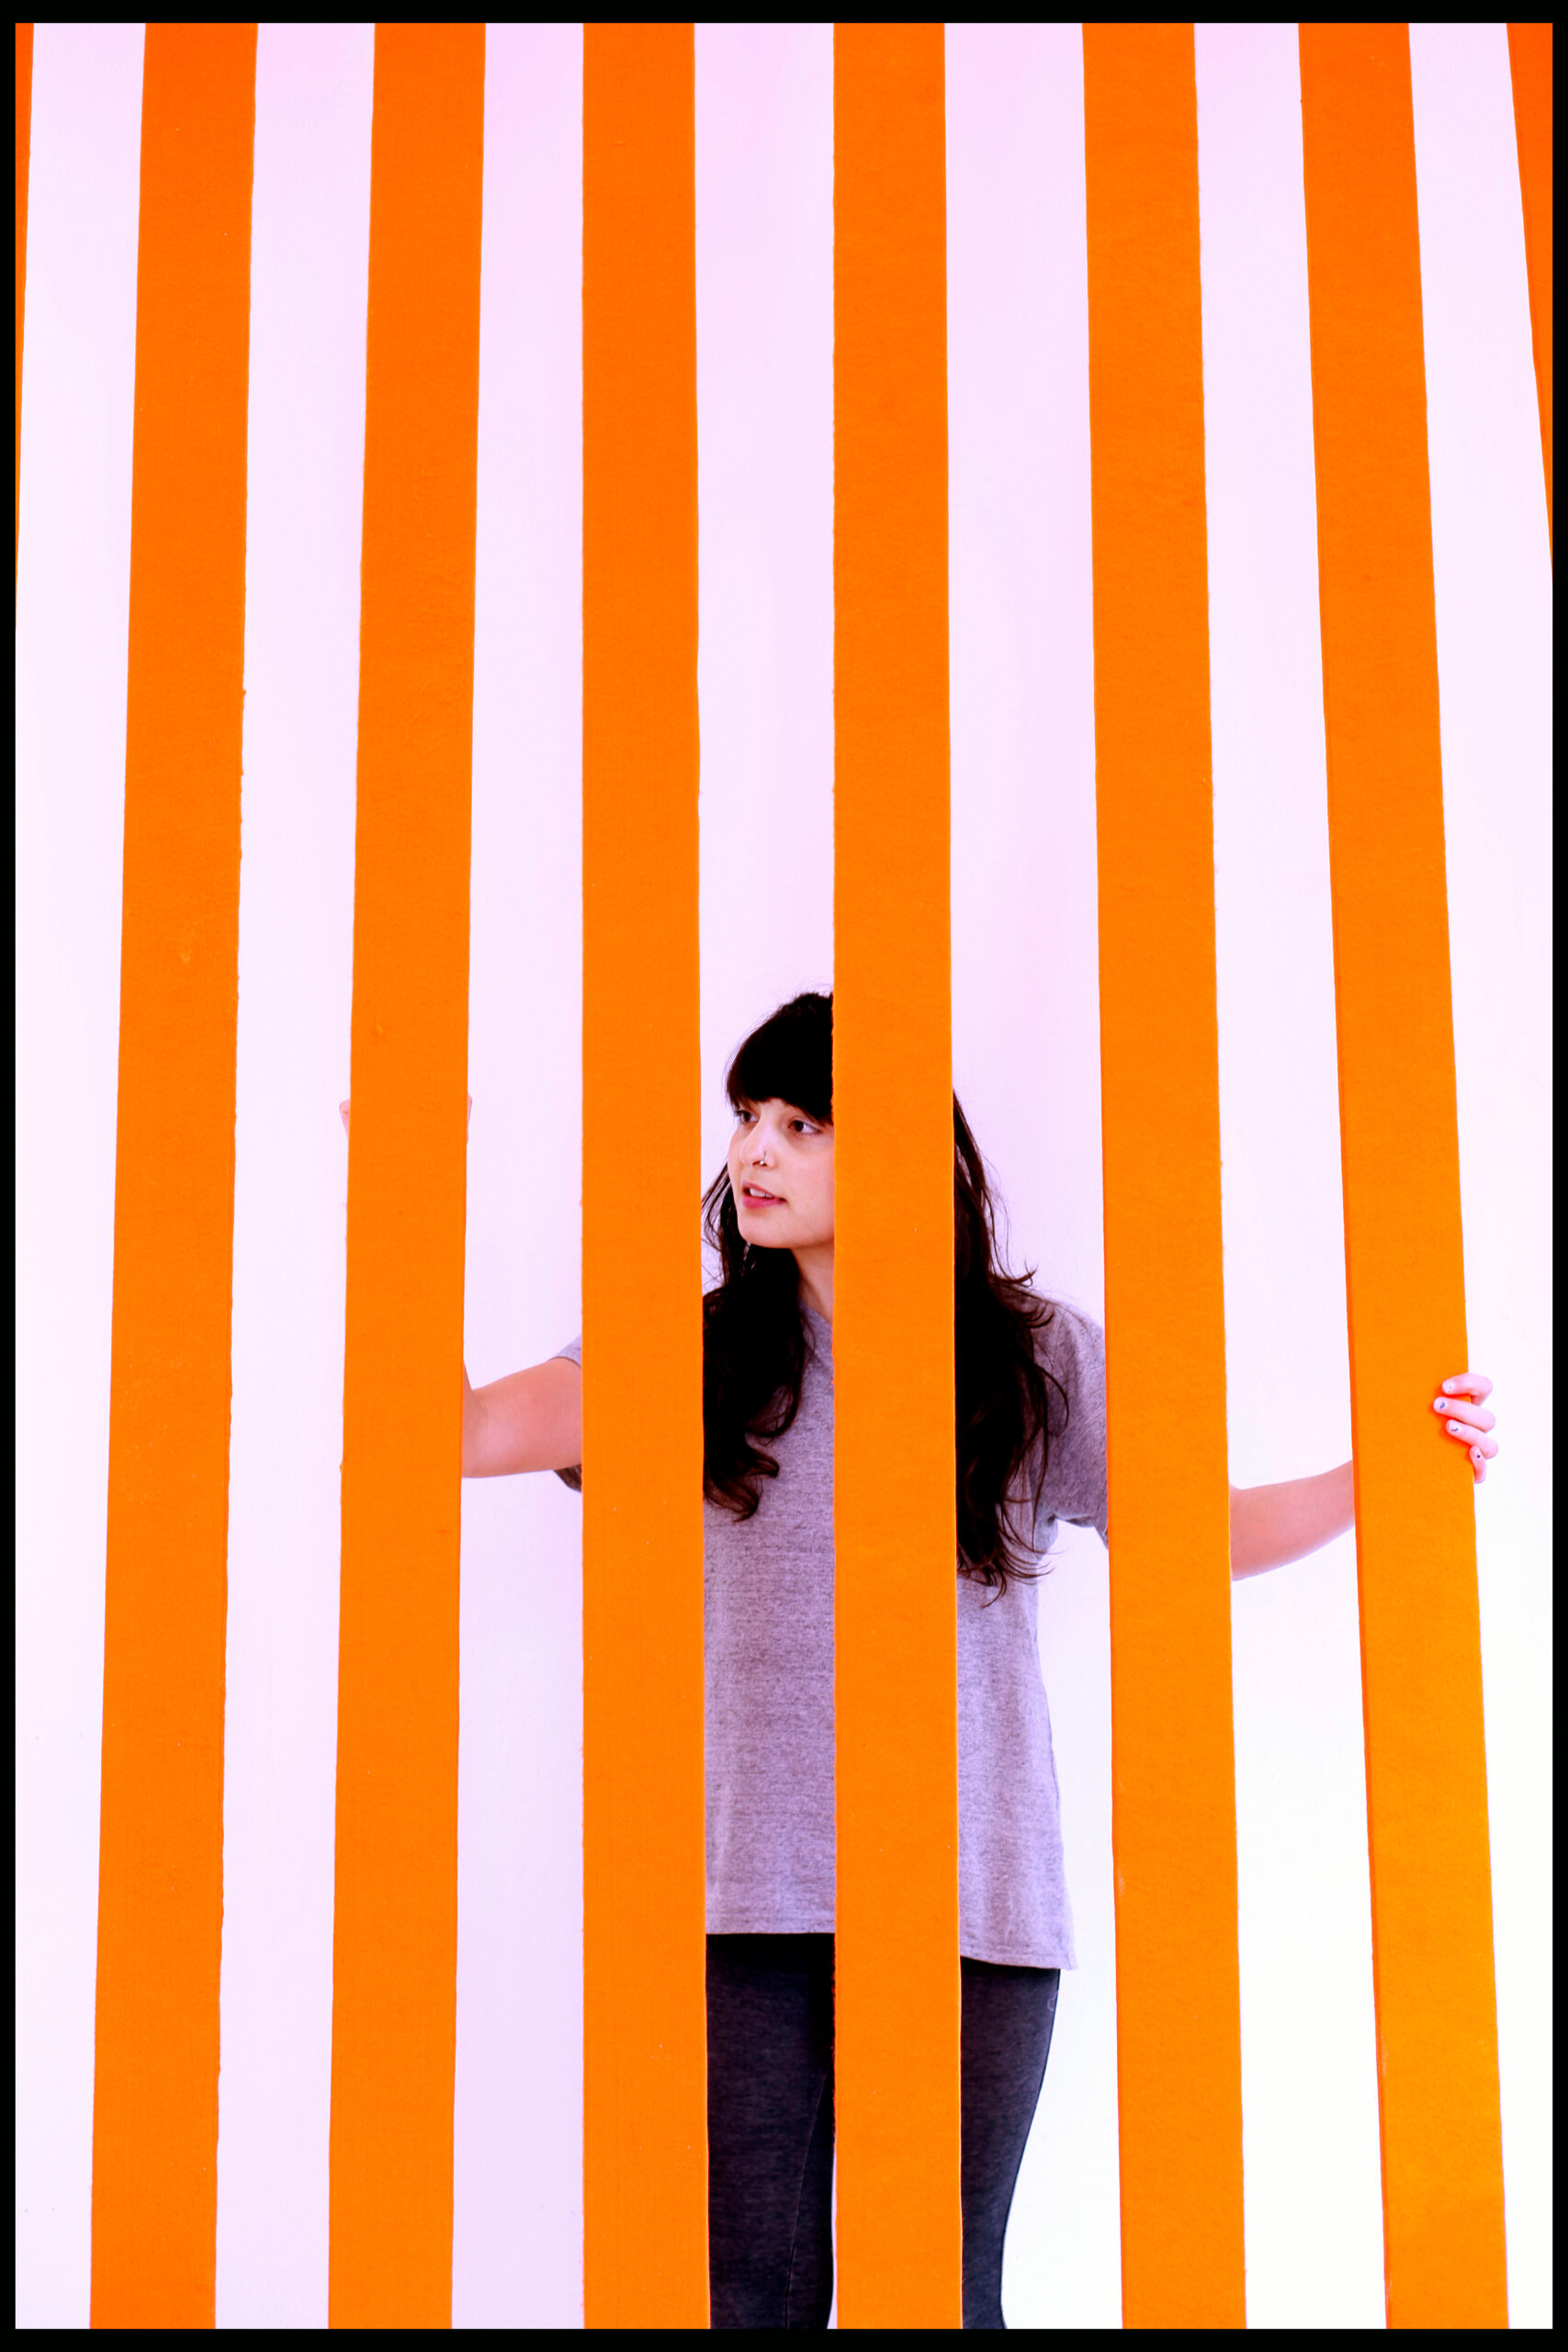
x=1270, y=1525
x=529, y=1420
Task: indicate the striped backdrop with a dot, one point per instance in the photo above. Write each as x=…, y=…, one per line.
x=1083, y=498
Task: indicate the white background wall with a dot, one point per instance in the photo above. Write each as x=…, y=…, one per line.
x=517, y=2245
x=309, y=255
x=72, y=612
x=1494, y=581
x=1313, y=2234
x=1025, y=955
x=1025, y=1056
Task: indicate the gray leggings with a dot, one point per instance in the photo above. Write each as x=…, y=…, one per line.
x=770, y=2005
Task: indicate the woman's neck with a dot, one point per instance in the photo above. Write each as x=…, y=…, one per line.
x=816, y=1265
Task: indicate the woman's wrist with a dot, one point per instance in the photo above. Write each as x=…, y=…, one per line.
x=1273, y=1526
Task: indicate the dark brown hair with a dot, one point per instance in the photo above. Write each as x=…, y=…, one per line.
x=754, y=1333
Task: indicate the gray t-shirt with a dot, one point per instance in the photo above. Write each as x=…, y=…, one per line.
x=769, y=1644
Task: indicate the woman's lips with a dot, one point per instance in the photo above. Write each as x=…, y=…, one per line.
x=762, y=1200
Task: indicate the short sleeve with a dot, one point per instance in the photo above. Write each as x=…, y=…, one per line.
x=571, y=1353
x=1072, y=1351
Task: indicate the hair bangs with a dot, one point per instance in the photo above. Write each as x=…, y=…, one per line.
x=789, y=1059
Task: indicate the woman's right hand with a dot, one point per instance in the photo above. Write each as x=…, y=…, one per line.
x=529, y=1420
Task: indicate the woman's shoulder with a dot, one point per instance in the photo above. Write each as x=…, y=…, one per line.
x=1072, y=1322
x=1070, y=1345
x=1071, y=1350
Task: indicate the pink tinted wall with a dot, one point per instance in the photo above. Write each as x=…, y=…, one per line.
x=310, y=211
x=1493, y=565
x=766, y=459
x=517, y=2231
x=72, y=593
x=1025, y=996
x=1309, y=2081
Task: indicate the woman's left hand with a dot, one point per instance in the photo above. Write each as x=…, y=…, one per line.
x=1466, y=1419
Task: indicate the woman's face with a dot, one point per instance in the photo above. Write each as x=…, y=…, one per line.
x=781, y=1172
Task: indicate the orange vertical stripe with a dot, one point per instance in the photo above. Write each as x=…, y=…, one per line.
x=897, y=1993
x=1420, y=1630
x=395, y=1944
x=644, y=2123
x=1177, y=1989
x=1530, y=61
x=24, y=155
x=160, y=1883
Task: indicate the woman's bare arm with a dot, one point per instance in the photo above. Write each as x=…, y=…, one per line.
x=1270, y=1525
x=530, y=1420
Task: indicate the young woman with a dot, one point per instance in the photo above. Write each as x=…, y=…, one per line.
x=1030, y=1450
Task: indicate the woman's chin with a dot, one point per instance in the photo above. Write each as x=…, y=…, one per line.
x=757, y=1231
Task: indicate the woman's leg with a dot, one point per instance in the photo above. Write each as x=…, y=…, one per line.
x=1008, y=2017
x=770, y=2001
